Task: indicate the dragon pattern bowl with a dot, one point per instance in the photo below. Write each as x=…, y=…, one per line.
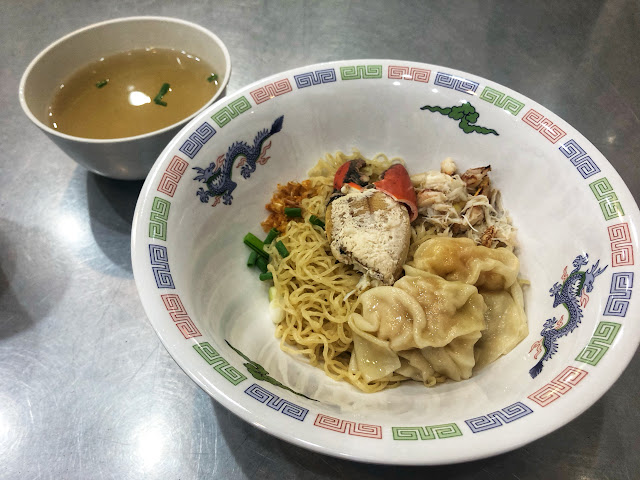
x=577, y=229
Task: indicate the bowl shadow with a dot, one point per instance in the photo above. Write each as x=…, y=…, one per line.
x=33, y=277
x=111, y=205
x=261, y=455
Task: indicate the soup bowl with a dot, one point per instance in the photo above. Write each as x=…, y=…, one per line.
x=127, y=158
x=212, y=313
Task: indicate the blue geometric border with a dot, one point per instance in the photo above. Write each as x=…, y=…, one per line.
x=280, y=404
x=309, y=79
x=498, y=418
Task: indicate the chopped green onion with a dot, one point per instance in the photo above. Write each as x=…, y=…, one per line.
x=293, y=211
x=262, y=263
x=282, y=250
x=255, y=244
x=102, y=83
x=273, y=233
x=253, y=256
x=266, y=276
x=213, y=77
x=163, y=90
x=313, y=220
x=272, y=293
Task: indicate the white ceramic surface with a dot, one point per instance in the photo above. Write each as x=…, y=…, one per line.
x=564, y=197
x=127, y=158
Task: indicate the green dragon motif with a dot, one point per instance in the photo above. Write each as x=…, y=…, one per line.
x=260, y=373
x=465, y=114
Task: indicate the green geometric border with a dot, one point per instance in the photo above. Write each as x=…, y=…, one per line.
x=158, y=218
x=231, y=111
x=219, y=364
x=501, y=100
x=431, y=432
x=355, y=72
x=600, y=342
x=609, y=204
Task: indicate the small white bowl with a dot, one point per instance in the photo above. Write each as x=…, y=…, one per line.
x=128, y=158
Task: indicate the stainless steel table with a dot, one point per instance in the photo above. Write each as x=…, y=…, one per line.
x=86, y=389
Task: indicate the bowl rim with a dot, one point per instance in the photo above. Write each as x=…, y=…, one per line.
x=109, y=141
x=537, y=431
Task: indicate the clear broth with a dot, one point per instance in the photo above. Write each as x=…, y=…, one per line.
x=125, y=105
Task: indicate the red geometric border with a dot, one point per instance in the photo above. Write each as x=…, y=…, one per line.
x=536, y=120
x=178, y=313
x=560, y=385
x=345, y=426
x=401, y=72
x=621, y=246
x=270, y=90
x=171, y=177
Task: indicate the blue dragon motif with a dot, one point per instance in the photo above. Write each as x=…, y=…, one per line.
x=570, y=294
x=217, y=176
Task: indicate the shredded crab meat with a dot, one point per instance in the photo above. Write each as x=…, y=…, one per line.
x=448, y=166
x=463, y=205
x=477, y=180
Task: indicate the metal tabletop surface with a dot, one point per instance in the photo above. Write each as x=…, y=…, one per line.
x=86, y=389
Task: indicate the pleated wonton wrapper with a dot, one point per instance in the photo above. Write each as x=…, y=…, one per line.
x=459, y=306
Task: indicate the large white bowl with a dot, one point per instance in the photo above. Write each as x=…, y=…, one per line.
x=564, y=197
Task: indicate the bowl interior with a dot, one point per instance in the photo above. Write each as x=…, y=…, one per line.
x=54, y=64
x=556, y=204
